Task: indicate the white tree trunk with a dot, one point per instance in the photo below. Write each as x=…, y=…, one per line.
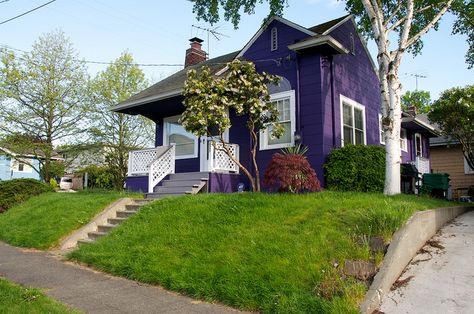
x=392, y=140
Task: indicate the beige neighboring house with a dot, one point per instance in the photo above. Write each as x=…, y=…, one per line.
x=447, y=157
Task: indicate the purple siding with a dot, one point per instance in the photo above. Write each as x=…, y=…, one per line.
x=137, y=184
x=223, y=182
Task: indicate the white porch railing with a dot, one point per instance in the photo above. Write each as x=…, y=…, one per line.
x=161, y=167
x=139, y=161
x=422, y=164
x=219, y=160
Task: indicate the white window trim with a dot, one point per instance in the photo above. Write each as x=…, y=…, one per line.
x=343, y=99
x=15, y=166
x=165, y=138
x=404, y=139
x=274, y=39
x=382, y=140
x=418, y=135
x=467, y=169
x=263, y=133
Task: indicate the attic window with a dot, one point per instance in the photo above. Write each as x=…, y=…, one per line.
x=274, y=43
x=352, y=44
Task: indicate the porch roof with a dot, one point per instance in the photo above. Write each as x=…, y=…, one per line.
x=419, y=123
x=171, y=86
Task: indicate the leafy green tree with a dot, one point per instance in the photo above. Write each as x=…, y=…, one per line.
x=43, y=95
x=209, y=99
x=420, y=99
x=396, y=27
x=454, y=113
x=118, y=132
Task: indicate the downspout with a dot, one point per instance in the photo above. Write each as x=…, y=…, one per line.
x=333, y=111
x=298, y=99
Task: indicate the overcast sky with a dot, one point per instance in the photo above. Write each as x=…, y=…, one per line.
x=158, y=32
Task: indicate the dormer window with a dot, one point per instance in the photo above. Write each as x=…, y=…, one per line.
x=274, y=39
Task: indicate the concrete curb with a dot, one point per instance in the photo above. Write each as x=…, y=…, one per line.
x=406, y=242
x=101, y=218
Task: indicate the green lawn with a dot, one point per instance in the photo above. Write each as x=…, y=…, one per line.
x=269, y=253
x=43, y=220
x=15, y=299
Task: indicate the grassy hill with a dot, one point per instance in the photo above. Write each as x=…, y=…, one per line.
x=255, y=251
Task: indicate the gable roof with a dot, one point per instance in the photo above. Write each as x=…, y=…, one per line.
x=326, y=26
x=173, y=85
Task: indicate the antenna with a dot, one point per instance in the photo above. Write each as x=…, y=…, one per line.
x=212, y=31
x=416, y=76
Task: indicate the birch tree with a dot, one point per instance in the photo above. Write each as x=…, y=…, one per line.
x=117, y=132
x=43, y=95
x=397, y=27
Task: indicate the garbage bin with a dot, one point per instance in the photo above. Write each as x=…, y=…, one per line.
x=436, y=184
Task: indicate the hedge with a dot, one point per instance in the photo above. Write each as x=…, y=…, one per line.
x=13, y=192
x=358, y=168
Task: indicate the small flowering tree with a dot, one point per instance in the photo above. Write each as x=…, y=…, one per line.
x=209, y=99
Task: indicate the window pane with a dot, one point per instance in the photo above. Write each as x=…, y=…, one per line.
x=183, y=140
x=347, y=115
x=359, y=137
x=284, y=139
x=348, y=135
x=359, y=122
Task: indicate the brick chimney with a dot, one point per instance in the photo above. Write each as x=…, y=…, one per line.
x=195, y=54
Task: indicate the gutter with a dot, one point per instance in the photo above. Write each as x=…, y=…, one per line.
x=146, y=100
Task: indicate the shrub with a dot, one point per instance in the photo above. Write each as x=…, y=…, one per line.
x=99, y=177
x=290, y=171
x=358, y=168
x=15, y=191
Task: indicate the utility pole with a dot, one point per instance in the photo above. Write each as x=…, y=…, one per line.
x=416, y=79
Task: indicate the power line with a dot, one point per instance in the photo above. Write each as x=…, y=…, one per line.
x=105, y=62
x=34, y=9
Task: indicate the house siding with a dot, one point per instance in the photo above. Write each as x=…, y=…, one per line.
x=451, y=160
x=6, y=172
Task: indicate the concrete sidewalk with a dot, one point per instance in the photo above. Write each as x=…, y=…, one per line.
x=90, y=291
x=440, y=279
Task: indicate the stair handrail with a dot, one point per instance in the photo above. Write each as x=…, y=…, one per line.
x=162, y=166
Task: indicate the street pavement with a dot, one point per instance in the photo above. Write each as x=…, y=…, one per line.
x=440, y=279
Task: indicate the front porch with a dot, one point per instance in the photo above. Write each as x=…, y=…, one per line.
x=154, y=171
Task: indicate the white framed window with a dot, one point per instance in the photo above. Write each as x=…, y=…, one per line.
x=274, y=39
x=353, y=129
x=21, y=166
x=285, y=103
x=403, y=136
x=467, y=168
x=418, y=145
x=186, y=143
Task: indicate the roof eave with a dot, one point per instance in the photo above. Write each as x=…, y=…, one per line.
x=423, y=124
x=131, y=104
x=319, y=41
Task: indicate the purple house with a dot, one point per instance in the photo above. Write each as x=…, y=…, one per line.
x=328, y=97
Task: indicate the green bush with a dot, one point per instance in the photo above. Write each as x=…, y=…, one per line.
x=358, y=168
x=98, y=177
x=15, y=191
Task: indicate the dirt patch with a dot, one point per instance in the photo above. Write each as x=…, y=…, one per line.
x=435, y=243
x=401, y=283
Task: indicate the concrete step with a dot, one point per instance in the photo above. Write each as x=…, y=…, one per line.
x=96, y=234
x=189, y=176
x=125, y=213
x=140, y=202
x=177, y=183
x=173, y=189
x=105, y=228
x=85, y=241
x=116, y=221
x=158, y=195
x=133, y=207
